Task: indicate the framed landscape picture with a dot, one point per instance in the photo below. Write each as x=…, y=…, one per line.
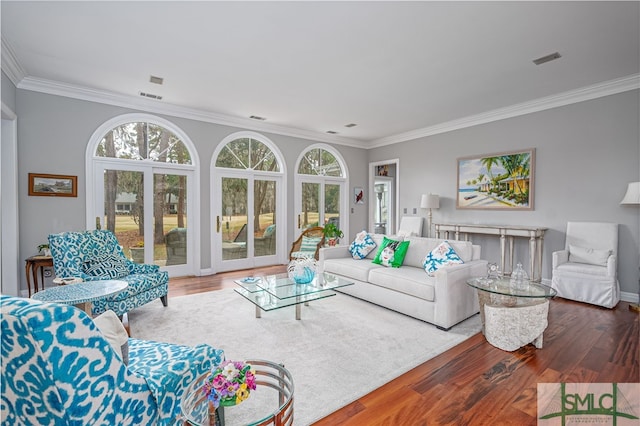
x=53, y=185
x=501, y=181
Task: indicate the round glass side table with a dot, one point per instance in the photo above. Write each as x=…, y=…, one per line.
x=271, y=403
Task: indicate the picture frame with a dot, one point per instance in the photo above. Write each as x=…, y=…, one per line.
x=48, y=185
x=499, y=181
x=358, y=195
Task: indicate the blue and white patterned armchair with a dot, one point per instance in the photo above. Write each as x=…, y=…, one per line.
x=97, y=255
x=58, y=369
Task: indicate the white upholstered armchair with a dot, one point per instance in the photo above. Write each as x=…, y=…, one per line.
x=585, y=270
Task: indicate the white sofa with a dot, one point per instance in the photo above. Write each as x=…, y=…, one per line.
x=443, y=300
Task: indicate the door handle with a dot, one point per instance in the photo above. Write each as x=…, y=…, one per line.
x=298, y=221
x=217, y=223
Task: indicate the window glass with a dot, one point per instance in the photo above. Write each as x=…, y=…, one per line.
x=143, y=141
x=320, y=162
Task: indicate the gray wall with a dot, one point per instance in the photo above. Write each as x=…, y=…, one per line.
x=53, y=133
x=8, y=92
x=586, y=153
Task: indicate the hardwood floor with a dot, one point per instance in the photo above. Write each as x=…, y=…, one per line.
x=475, y=383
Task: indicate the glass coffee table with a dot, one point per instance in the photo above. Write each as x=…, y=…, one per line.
x=278, y=291
x=512, y=315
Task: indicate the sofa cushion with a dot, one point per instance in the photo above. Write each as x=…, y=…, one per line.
x=582, y=268
x=349, y=268
x=107, y=266
x=362, y=245
x=391, y=252
x=588, y=255
x=408, y=280
x=439, y=257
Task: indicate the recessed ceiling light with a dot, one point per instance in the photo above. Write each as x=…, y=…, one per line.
x=156, y=80
x=151, y=96
x=350, y=125
x=332, y=132
x=547, y=58
x=257, y=117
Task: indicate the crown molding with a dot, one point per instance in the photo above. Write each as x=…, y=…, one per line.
x=159, y=107
x=10, y=64
x=599, y=90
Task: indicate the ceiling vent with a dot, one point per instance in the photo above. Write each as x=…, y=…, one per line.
x=156, y=80
x=350, y=125
x=257, y=117
x=151, y=96
x=547, y=58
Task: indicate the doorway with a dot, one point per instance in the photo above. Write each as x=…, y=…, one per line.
x=383, y=196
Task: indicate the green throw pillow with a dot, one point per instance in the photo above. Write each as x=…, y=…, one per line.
x=391, y=252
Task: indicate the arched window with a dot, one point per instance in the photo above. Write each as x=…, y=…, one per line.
x=141, y=186
x=320, y=162
x=143, y=141
x=247, y=153
x=321, y=189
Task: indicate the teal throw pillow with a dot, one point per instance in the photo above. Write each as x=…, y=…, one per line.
x=443, y=255
x=309, y=243
x=107, y=266
x=391, y=253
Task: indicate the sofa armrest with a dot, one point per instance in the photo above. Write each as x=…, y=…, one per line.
x=455, y=299
x=559, y=257
x=612, y=265
x=141, y=268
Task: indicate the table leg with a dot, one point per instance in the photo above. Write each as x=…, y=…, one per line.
x=298, y=311
x=41, y=276
x=86, y=306
x=258, y=313
x=27, y=273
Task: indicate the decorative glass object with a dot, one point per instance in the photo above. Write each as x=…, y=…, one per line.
x=302, y=271
x=519, y=278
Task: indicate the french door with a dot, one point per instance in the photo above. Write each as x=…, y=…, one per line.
x=318, y=202
x=246, y=224
x=149, y=209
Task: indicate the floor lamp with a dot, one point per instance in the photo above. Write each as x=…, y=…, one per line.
x=429, y=201
x=632, y=197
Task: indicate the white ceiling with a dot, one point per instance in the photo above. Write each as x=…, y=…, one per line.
x=311, y=67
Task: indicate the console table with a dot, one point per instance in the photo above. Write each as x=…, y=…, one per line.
x=534, y=233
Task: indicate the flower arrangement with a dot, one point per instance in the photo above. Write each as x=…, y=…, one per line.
x=229, y=383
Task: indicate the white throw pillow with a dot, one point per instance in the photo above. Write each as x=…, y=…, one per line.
x=588, y=255
x=112, y=329
x=439, y=257
x=361, y=246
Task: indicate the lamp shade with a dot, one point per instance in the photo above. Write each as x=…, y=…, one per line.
x=430, y=201
x=633, y=194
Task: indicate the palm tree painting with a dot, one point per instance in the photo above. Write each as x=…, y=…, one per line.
x=502, y=181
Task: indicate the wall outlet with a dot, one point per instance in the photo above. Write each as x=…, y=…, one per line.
x=405, y=210
x=415, y=210
x=48, y=272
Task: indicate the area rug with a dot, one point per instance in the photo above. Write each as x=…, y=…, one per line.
x=342, y=349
